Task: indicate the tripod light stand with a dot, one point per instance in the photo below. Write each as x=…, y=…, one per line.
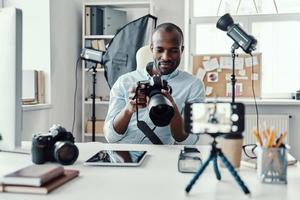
x=233, y=79
x=95, y=57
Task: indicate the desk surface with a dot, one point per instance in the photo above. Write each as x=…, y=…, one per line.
x=157, y=178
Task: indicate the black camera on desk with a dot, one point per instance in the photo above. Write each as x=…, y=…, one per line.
x=161, y=110
x=57, y=145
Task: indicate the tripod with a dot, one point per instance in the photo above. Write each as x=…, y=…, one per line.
x=214, y=154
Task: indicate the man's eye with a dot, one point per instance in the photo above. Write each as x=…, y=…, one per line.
x=175, y=50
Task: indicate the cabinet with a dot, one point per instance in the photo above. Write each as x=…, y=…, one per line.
x=101, y=19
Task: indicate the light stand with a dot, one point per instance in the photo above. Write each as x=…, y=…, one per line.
x=214, y=154
x=233, y=79
x=95, y=57
x=241, y=39
x=93, y=96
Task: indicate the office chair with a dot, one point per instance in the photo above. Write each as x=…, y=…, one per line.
x=143, y=57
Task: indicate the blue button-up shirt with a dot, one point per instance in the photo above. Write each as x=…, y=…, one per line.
x=185, y=89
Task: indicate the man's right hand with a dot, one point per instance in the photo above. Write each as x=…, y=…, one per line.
x=122, y=119
x=133, y=99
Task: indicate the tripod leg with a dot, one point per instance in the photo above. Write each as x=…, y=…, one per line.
x=216, y=169
x=198, y=173
x=234, y=173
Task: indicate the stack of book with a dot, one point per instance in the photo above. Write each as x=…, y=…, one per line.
x=39, y=179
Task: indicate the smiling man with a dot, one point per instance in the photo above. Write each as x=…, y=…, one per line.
x=121, y=124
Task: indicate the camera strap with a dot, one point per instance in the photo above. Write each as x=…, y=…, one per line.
x=143, y=126
x=148, y=132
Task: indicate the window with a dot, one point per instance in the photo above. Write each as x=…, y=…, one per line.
x=277, y=34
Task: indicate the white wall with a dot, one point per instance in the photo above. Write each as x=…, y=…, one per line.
x=65, y=24
x=56, y=55
x=36, y=37
x=36, y=55
x=34, y=122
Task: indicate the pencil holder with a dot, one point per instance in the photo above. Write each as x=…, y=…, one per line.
x=272, y=165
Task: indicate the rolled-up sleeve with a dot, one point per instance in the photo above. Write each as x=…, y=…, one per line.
x=116, y=104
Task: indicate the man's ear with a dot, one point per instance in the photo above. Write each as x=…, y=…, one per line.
x=151, y=47
x=182, y=48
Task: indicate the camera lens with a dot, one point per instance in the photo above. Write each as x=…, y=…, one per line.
x=65, y=152
x=161, y=110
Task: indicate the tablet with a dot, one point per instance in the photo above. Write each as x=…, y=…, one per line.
x=117, y=158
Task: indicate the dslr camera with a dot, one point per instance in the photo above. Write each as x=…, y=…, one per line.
x=57, y=145
x=160, y=108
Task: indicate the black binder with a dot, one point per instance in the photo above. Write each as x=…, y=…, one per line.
x=96, y=20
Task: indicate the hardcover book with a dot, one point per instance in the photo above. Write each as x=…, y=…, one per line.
x=44, y=189
x=33, y=175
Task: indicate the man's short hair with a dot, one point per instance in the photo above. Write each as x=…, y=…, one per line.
x=169, y=27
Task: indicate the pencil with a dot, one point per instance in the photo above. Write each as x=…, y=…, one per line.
x=257, y=137
x=281, y=138
x=271, y=139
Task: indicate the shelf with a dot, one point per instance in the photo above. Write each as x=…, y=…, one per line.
x=135, y=4
x=97, y=102
x=98, y=69
x=36, y=107
x=96, y=134
x=98, y=36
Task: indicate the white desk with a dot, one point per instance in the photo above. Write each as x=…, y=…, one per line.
x=157, y=178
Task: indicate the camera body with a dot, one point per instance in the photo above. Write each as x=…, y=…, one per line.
x=160, y=108
x=57, y=145
x=147, y=89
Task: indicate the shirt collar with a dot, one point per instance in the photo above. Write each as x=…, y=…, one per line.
x=165, y=77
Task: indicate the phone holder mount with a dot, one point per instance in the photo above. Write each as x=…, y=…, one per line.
x=236, y=131
x=216, y=152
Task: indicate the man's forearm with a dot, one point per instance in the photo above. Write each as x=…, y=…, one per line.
x=176, y=126
x=121, y=121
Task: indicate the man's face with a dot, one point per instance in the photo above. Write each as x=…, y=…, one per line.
x=166, y=49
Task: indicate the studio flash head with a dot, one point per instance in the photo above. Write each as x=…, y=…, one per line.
x=240, y=37
x=92, y=55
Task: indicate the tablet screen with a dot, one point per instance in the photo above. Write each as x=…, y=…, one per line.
x=117, y=158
